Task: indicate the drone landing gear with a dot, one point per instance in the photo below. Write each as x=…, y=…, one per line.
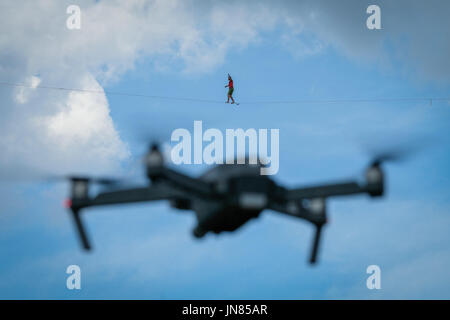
x=315, y=247
x=198, y=232
x=315, y=212
x=80, y=228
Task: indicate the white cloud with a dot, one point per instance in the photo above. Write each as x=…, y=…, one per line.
x=61, y=132
x=84, y=121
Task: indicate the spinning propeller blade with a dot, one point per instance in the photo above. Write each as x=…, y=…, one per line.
x=396, y=148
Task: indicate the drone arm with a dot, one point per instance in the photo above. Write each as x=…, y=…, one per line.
x=186, y=182
x=178, y=180
x=152, y=193
x=157, y=171
x=336, y=189
x=294, y=209
x=374, y=186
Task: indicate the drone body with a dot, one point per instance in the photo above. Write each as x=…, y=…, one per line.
x=225, y=197
x=242, y=194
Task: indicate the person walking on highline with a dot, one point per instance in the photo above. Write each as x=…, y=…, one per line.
x=230, y=89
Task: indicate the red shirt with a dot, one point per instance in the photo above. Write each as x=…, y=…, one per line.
x=230, y=84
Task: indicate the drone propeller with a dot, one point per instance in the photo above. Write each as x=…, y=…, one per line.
x=20, y=173
x=397, y=149
x=104, y=181
x=396, y=154
x=155, y=135
x=29, y=174
x=157, y=131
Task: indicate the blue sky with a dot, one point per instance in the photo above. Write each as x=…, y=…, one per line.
x=279, y=52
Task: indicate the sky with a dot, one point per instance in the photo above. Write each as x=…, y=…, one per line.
x=275, y=51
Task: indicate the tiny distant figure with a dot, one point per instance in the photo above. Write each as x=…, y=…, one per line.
x=230, y=89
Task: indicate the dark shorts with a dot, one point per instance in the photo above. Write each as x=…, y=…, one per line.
x=230, y=91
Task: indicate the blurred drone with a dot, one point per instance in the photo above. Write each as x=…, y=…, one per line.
x=225, y=197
